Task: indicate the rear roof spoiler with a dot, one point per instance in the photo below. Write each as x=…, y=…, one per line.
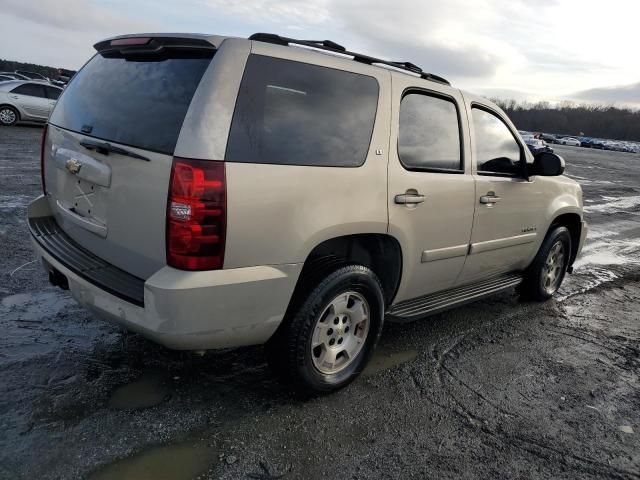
x=151, y=45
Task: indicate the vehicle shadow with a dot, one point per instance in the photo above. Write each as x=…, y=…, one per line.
x=228, y=378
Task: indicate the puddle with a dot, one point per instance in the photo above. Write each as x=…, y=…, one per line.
x=609, y=251
x=614, y=204
x=384, y=361
x=147, y=391
x=583, y=282
x=35, y=306
x=171, y=462
x=17, y=300
x=12, y=202
x=34, y=324
x=601, y=258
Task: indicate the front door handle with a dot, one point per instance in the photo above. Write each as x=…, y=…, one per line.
x=489, y=199
x=409, y=198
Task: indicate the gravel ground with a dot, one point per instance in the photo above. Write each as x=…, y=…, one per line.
x=499, y=388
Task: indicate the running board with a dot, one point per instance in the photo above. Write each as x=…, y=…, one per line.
x=416, y=308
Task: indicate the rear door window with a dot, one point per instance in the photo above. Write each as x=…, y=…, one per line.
x=295, y=113
x=30, y=89
x=429, y=134
x=140, y=102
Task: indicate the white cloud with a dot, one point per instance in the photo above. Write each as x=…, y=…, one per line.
x=56, y=33
x=547, y=48
x=297, y=14
x=621, y=95
x=75, y=15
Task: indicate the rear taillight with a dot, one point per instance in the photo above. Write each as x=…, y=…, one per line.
x=196, y=214
x=42, y=143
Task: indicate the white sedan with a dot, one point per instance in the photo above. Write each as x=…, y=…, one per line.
x=569, y=141
x=26, y=100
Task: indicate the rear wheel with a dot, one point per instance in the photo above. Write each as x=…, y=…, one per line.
x=544, y=277
x=327, y=341
x=8, y=116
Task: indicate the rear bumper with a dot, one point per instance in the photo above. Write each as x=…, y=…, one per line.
x=181, y=310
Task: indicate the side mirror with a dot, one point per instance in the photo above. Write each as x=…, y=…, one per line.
x=547, y=164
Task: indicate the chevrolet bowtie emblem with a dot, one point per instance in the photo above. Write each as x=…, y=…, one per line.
x=73, y=165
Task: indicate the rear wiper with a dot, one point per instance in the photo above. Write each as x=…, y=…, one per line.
x=105, y=148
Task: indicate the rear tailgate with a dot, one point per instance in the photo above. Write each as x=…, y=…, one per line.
x=110, y=144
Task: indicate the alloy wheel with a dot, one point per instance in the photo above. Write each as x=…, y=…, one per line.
x=7, y=116
x=340, y=332
x=553, y=267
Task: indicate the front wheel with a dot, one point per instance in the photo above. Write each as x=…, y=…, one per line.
x=327, y=341
x=8, y=116
x=544, y=277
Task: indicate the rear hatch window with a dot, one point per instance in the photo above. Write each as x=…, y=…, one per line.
x=138, y=100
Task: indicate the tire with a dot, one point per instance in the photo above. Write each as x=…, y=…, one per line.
x=546, y=273
x=8, y=116
x=351, y=296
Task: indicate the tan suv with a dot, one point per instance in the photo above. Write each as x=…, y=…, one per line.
x=213, y=192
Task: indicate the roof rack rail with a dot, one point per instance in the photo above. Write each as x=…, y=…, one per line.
x=330, y=46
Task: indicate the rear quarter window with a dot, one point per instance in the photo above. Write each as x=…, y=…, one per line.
x=294, y=113
x=139, y=102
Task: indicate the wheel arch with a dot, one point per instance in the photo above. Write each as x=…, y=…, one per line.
x=573, y=222
x=379, y=252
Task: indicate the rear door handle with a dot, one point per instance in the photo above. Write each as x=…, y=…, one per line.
x=409, y=198
x=489, y=199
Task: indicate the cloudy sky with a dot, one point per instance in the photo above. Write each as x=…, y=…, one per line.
x=540, y=49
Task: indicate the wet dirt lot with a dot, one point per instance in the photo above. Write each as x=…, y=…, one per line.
x=498, y=388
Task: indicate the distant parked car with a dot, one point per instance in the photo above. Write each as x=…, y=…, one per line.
x=14, y=75
x=549, y=138
x=536, y=145
x=595, y=143
x=574, y=142
x=31, y=75
x=26, y=100
x=612, y=145
x=65, y=75
x=627, y=147
x=4, y=78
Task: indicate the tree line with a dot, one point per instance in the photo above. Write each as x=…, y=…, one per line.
x=11, y=66
x=568, y=118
